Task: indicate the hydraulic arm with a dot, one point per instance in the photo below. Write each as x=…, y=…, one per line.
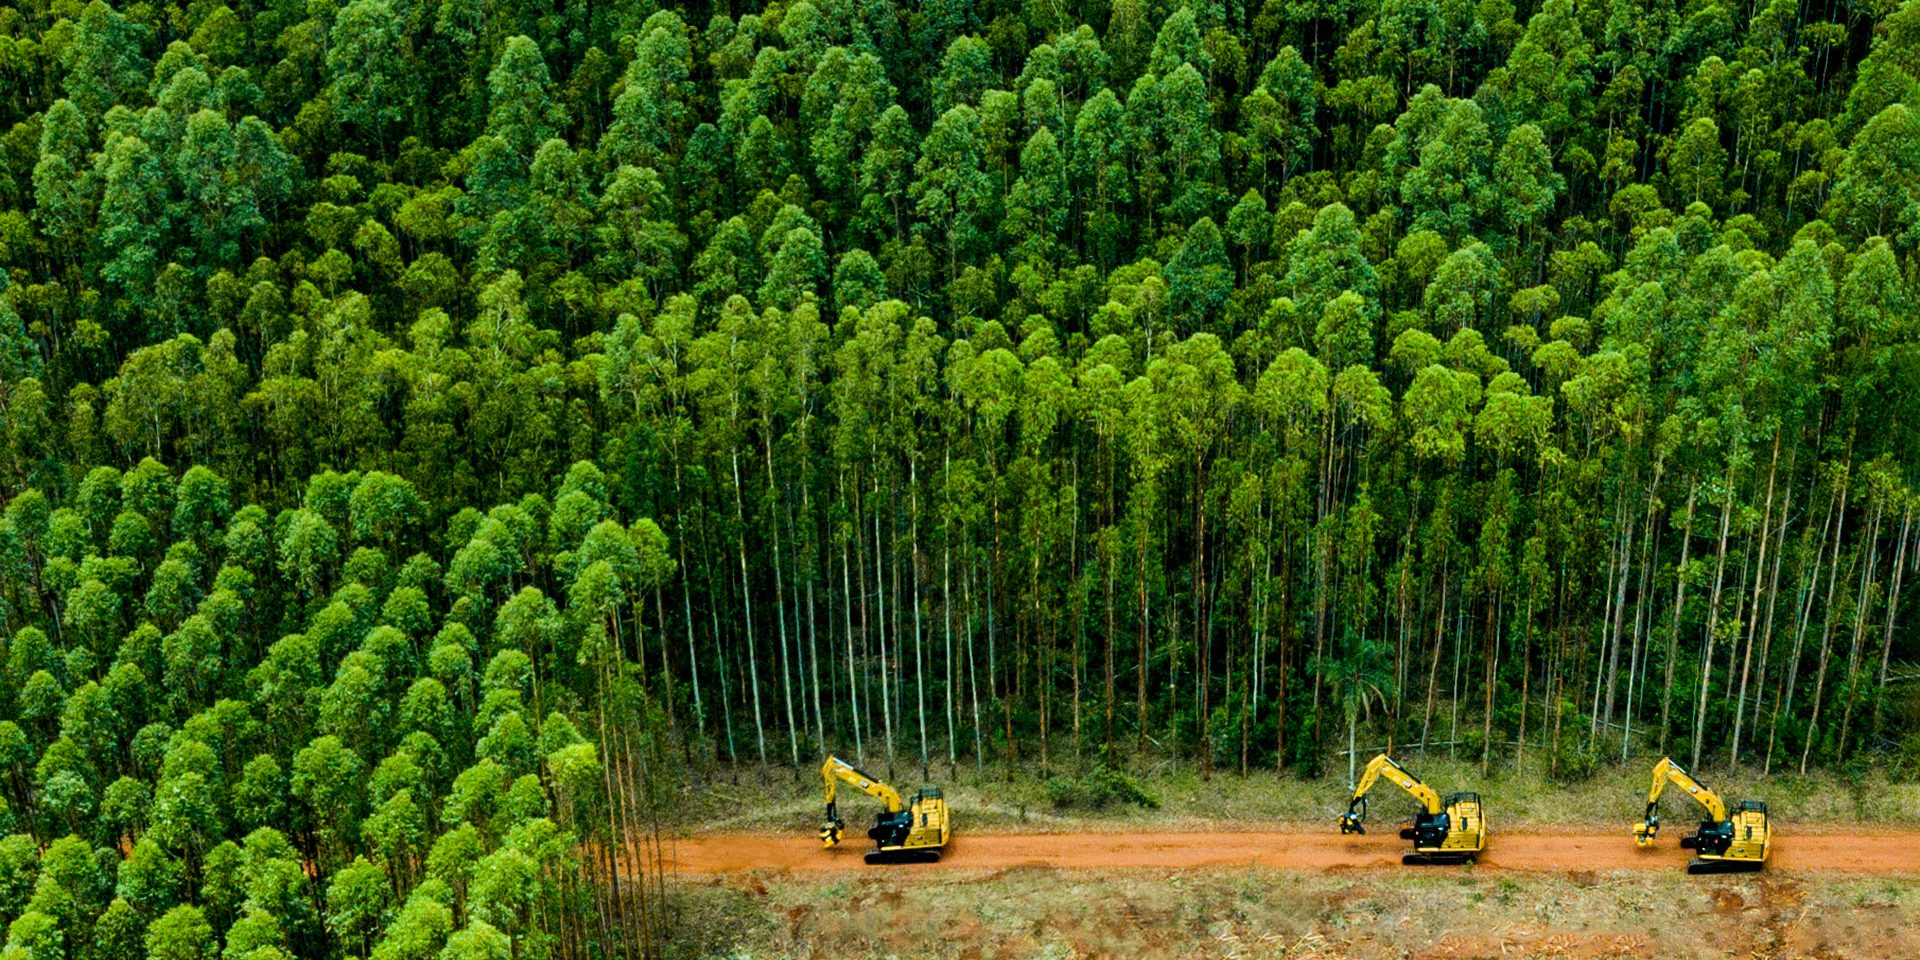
x=906, y=831
x=1448, y=829
x=1728, y=841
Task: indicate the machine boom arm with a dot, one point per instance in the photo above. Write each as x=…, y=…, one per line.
x=836, y=770
x=1384, y=766
x=1667, y=772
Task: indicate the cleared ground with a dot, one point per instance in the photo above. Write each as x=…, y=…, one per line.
x=1882, y=852
x=1561, y=877
x=1385, y=913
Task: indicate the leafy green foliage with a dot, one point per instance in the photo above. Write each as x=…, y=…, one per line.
x=1097, y=789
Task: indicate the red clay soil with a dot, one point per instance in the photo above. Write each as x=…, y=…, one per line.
x=1879, y=852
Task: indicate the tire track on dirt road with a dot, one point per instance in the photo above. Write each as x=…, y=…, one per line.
x=1872, y=852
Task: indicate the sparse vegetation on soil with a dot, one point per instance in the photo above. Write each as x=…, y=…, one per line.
x=1413, y=914
x=745, y=800
x=1379, y=910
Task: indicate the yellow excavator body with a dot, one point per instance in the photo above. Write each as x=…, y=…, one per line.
x=915, y=830
x=1737, y=840
x=1450, y=829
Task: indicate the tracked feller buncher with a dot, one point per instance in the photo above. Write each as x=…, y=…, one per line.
x=913, y=832
x=1452, y=830
x=1739, y=843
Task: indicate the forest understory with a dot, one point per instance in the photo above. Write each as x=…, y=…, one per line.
x=1173, y=796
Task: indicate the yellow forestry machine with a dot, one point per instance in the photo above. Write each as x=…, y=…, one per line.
x=912, y=832
x=1450, y=830
x=1739, y=843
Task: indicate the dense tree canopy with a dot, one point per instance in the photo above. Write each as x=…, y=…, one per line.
x=419, y=422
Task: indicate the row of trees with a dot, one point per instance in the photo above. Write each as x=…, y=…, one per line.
x=886, y=538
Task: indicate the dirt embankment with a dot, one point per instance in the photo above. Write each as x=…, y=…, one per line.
x=1873, y=852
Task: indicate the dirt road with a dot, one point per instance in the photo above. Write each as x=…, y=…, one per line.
x=1879, y=852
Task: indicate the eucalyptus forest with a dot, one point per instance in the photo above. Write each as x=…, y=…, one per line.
x=432, y=430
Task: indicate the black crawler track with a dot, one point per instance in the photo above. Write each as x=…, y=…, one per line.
x=904, y=856
x=1703, y=865
x=1436, y=859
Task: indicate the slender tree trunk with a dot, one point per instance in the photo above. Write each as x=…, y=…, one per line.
x=853, y=674
x=973, y=682
x=1011, y=749
x=686, y=602
x=1766, y=519
x=880, y=627
x=919, y=664
x=1636, y=660
x=780, y=607
x=1526, y=675
x=1809, y=583
x=1493, y=676
x=1673, y=631
x=1606, y=635
x=1459, y=634
x=1146, y=633
x=813, y=664
x=1433, y=666
x=1826, y=631
x=1766, y=628
x=1202, y=634
x=719, y=648
x=746, y=605
x=1713, y=624
x=1076, y=659
x=1285, y=652
x=1619, y=612
x=1106, y=739
x=946, y=605
x=1860, y=605
x=1893, y=606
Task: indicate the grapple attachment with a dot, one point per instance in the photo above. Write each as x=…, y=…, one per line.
x=1354, y=820
x=831, y=830
x=1646, y=830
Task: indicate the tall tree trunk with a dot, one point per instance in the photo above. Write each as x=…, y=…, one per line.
x=686, y=602
x=1146, y=634
x=1607, y=622
x=1636, y=661
x=1106, y=737
x=780, y=607
x=1766, y=628
x=718, y=586
x=973, y=684
x=1826, y=630
x=880, y=622
x=1620, y=611
x=1893, y=605
x=1459, y=634
x=1433, y=667
x=853, y=673
x=1679, y=604
x=919, y=663
x=1493, y=676
x=946, y=605
x=1809, y=584
x=1766, y=519
x=1713, y=623
x=813, y=665
x=1860, y=605
x=1202, y=635
x=746, y=604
